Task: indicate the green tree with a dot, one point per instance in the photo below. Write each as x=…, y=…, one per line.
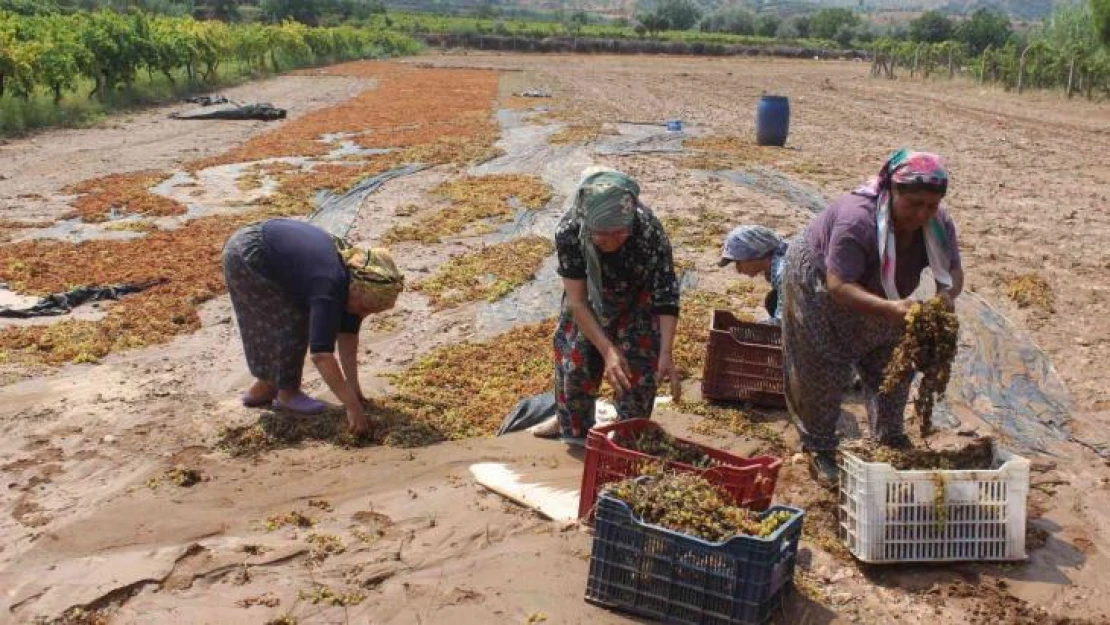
x=28, y=7
x=767, y=25
x=1100, y=13
x=303, y=11
x=986, y=27
x=576, y=22
x=801, y=26
x=654, y=23
x=680, y=14
x=735, y=20
x=826, y=23
x=931, y=27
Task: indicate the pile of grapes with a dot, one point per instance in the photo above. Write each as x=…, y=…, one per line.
x=929, y=346
x=656, y=442
x=691, y=505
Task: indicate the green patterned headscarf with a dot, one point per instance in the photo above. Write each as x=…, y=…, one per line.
x=605, y=200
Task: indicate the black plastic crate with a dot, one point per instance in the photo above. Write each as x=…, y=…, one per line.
x=668, y=576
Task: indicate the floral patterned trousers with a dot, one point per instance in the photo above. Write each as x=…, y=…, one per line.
x=274, y=328
x=579, y=367
x=821, y=342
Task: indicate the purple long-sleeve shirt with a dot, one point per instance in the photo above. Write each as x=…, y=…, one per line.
x=845, y=240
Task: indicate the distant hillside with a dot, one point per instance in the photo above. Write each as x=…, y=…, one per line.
x=1016, y=9
x=1023, y=9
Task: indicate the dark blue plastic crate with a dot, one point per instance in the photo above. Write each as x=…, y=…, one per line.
x=668, y=576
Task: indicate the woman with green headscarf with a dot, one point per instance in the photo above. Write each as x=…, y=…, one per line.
x=620, y=303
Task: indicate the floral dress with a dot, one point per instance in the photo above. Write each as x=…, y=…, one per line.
x=638, y=285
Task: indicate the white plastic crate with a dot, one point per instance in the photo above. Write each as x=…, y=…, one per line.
x=888, y=515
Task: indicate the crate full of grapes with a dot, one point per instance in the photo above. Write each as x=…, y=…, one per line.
x=969, y=507
x=673, y=548
x=628, y=448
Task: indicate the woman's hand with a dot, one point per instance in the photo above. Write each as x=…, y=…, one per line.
x=948, y=298
x=898, y=309
x=617, y=372
x=665, y=370
x=357, y=421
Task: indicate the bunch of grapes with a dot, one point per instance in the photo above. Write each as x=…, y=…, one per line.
x=656, y=442
x=929, y=346
x=691, y=505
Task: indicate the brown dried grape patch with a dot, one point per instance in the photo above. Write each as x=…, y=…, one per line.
x=132, y=225
x=473, y=198
x=748, y=424
x=126, y=194
x=19, y=224
x=705, y=231
x=254, y=176
x=575, y=134
x=408, y=107
x=521, y=103
x=729, y=152
x=190, y=257
x=464, y=390
x=296, y=189
x=1031, y=290
x=489, y=273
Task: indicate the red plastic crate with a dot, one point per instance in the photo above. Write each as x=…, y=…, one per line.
x=743, y=362
x=750, y=482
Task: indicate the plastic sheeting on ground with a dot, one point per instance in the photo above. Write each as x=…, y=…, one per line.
x=1006, y=380
x=57, y=304
x=528, y=412
x=207, y=100
x=775, y=184
x=263, y=111
x=640, y=139
x=336, y=213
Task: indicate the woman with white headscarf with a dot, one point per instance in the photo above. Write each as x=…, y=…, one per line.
x=757, y=250
x=847, y=287
x=620, y=303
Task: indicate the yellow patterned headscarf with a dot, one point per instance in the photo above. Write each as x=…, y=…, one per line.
x=373, y=273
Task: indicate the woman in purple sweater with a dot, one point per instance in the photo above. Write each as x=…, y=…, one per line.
x=847, y=284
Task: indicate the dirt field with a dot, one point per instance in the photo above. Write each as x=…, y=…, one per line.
x=91, y=520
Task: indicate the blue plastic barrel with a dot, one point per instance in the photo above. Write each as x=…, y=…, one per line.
x=772, y=120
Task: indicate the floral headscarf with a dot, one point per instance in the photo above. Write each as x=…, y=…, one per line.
x=605, y=200
x=913, y=168
x=373, y=272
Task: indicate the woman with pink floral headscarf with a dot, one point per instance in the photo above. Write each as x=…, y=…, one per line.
x=846, y=290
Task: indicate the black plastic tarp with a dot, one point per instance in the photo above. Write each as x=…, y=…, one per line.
x=529, y=412
x=264, y=111
x=62, y=303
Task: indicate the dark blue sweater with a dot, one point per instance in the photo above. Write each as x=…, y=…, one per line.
x=302, y=258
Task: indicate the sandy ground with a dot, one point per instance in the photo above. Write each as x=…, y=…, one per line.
x=82, y=526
